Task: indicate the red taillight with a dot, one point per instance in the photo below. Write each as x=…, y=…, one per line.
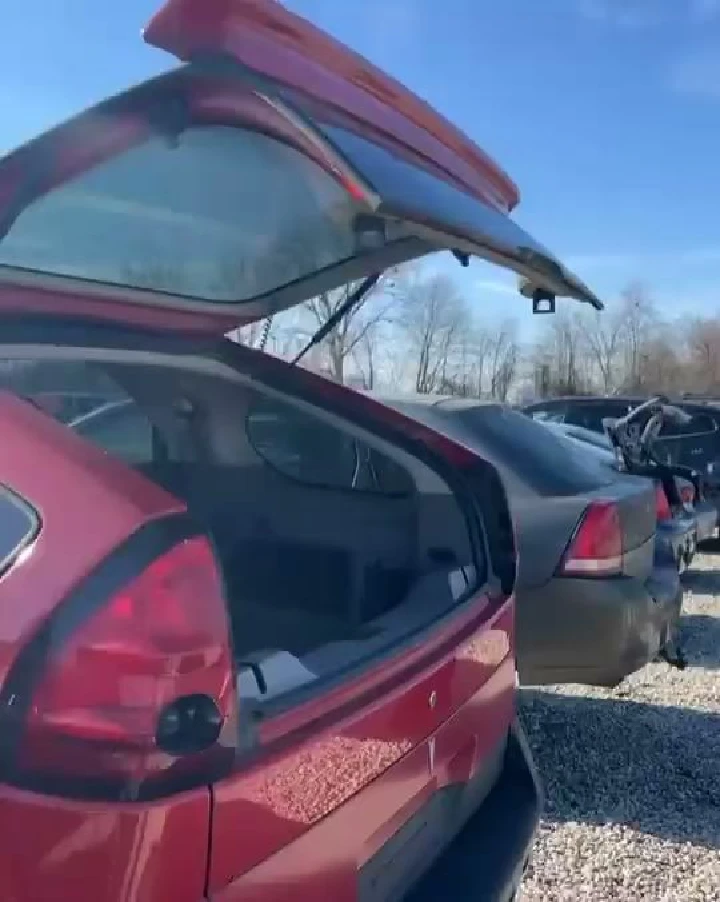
x=687, y=493
x=141, y=690
x=596, y=548
x=662, y=505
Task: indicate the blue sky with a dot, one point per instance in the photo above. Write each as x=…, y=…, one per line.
x=605, y=112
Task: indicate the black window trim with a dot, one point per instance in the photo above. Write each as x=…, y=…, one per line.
x=349, y=489
x=33, y=530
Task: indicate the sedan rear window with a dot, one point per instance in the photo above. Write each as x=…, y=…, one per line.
x=547, y=463
x=222, y=214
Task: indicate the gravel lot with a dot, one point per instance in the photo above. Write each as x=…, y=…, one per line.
x=632, y=774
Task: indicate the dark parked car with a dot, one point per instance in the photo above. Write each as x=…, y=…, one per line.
x=594, y=603
x=263, y=648
x=681, y=523
x=695, y=444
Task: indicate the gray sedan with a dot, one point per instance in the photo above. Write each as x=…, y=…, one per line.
x=594, y=603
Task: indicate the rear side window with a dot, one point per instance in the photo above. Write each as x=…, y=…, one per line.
x=307, y=450
x=223, y=214
x=87, y=400
x=547, y=463
x=19, y=525
x=121, y=429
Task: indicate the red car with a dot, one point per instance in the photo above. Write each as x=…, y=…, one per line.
x=247, y=662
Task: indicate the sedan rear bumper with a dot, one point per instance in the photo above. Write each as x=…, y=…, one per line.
x=595, y=631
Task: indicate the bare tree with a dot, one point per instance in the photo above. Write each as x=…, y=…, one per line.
x=703, y=344
x=254, y=335
x=468, y=375
x=365, y=357
x=355, y=327
x=433, y=317
x=502, y=358
x=602, y=335
x=661, y=369
x=559, y=356
x=639, y=323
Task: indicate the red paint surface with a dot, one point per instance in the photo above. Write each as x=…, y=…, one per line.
x=321, y=810
x=55, y=851
x=269, y=39
x=89, y=504
x=338, y=776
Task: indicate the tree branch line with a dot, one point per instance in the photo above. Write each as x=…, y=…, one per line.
x=420, y=332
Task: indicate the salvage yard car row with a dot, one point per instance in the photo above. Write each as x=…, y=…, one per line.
x=258, y=632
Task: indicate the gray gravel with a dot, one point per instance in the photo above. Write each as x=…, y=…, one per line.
x=632, y=774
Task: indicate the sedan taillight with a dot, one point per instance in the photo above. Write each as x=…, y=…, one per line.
x=662, y=505
x=596, y=548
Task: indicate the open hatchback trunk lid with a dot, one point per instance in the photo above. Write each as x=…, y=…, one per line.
x=273, y=165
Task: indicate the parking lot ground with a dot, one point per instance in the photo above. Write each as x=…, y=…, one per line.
x=632, y=774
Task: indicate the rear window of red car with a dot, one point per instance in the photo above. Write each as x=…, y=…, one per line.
x=19, y=525
x=221, y=214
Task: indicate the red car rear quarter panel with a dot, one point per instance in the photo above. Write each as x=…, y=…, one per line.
x=305, y=821
x=54, y=850
x=88, y=504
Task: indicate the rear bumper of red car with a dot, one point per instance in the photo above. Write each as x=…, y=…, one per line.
x=488, y=855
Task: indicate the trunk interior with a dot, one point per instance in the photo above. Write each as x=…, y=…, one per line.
x=332, y=545
x=316, y=578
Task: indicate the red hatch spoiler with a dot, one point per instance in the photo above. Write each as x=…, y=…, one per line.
x=278, y=44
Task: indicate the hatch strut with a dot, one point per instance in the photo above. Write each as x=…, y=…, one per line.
x=363, y=288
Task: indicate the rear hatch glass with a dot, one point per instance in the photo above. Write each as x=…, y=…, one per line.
x=261, y=216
